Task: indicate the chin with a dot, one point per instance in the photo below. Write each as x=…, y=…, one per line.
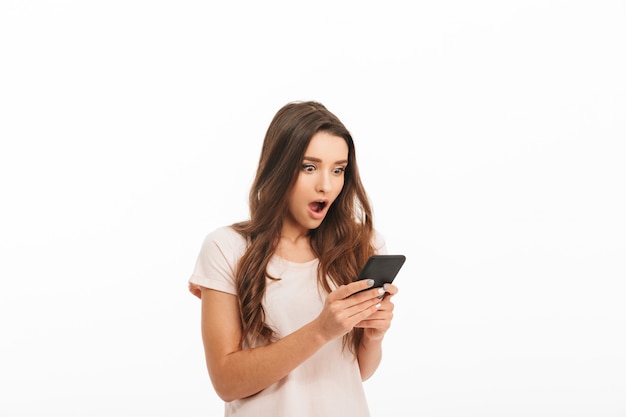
x=315, y=225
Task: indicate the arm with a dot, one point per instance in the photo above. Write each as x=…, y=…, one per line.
x=370, y=351
x=239, y=373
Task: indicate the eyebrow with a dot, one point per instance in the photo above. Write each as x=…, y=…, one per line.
x=313, y=159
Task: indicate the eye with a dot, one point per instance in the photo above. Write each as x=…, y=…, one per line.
x=308, y=167
x=339, y=170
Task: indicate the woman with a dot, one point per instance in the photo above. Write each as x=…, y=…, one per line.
x=283, y=333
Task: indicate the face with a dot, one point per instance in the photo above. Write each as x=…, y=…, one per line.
x=319, y=183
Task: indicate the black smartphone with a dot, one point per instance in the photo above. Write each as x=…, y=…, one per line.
x=382, y=269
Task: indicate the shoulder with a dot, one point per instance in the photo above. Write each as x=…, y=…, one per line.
x=218, y=258
x=225, y=240
x=225, y=234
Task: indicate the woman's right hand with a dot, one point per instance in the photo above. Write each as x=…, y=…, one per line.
x=346, y=306
x=238, y=373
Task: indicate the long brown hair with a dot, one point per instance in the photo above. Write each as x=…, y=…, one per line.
x=343, y=241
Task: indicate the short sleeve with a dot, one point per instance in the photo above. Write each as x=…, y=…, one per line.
x=379, y=243
x=217, y=260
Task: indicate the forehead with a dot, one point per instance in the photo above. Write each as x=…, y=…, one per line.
x=327, y=147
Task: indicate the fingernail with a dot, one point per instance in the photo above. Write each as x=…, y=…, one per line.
x=386, y=286
x=378, y=305
x=381, y=291
x=370, y=282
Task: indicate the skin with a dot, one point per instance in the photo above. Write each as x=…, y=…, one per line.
x=238, y=373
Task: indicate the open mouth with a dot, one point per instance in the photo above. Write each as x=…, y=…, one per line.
x=317, y=206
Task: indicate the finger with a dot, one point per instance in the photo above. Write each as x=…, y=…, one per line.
x=379, y=324
x=344, y=291
x=363, y=311
x=372, y=294
x=381, y=313
x=377, y=319
x=385, y=307
x=390, y=289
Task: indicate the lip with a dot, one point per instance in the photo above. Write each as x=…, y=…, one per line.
x=318, y=215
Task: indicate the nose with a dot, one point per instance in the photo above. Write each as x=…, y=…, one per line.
x=323, y=183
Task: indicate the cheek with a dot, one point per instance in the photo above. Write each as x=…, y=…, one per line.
x=305, y=185
x=339, y=184
x=298, y=191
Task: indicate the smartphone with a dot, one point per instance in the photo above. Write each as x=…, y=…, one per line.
x=382, y=269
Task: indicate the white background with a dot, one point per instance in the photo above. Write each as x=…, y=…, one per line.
x=490, y=136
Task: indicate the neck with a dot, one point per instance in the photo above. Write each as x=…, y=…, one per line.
x=295, y=238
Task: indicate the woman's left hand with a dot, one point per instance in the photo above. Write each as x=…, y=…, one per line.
x=379, y=322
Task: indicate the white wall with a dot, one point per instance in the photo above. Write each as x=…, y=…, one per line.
x=490, y=136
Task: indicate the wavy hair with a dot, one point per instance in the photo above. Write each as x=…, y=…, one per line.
x=343, y=241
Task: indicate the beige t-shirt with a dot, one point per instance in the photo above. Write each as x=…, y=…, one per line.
x=327, y=384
